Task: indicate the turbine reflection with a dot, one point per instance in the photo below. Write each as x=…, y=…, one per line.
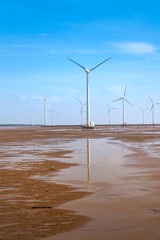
x=88, y=158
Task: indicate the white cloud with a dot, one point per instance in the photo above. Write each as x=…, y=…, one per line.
x=55, y=99
x=37, y=97
x=23, y=97
x=43, y=34
x=6, y=46
x=56, y=52
x=136, y=47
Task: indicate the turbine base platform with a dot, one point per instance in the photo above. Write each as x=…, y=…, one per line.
x=88, y=126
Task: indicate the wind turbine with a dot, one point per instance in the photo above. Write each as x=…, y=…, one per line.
x=45, y=110
x=124, y=100
x=152, y=109
x=82, y=105
x=109, y=112
x=53, y=110
x=33, y=111
x=143, y=110
x=87, y=93
x=45, y=107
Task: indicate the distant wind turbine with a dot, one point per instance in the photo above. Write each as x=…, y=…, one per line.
x=53, y=110
x=45, y=109
x=33, y=111
x=143, y=110
x=82, y=105
x=87, y=94
x=109, y=113
x=124, y=100
x=152, y=109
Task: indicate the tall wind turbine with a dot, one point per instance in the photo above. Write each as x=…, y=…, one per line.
x=124, y=100
x=87, y=94
x=109, y=113
x=82, y=105
x=53, y=110
x=143, y=111
x=152, y=109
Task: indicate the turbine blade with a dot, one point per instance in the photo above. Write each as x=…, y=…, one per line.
x=99, y=64
x=77, y=64
x=156, y=103
x=108, y=106
x=79, y=100
x=150, y=99
x=129, y=102
x=125, y=90
x=151, y=108
x=117, y=99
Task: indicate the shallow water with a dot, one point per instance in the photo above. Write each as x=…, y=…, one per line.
x=122, y=198
x=97, y=161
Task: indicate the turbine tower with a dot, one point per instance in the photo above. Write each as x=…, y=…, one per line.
x=87, y=80
x=152, y=109
x=143, y=110
x=124, y=101
x=109, y=113
x=82, y=105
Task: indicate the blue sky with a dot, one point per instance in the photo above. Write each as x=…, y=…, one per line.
x=37, y=36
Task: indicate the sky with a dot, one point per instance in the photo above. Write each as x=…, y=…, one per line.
x=36, y=39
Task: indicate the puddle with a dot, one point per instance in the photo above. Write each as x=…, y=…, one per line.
x=98, y=162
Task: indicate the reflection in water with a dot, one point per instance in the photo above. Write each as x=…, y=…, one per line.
x=88, y=158
x=116, y=185
x=97, y=161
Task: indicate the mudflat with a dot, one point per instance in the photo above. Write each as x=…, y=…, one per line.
x=33, y=207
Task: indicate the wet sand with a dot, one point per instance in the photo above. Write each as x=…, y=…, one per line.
x=34, y=208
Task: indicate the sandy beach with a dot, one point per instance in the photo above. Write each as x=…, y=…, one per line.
x=54, y=186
